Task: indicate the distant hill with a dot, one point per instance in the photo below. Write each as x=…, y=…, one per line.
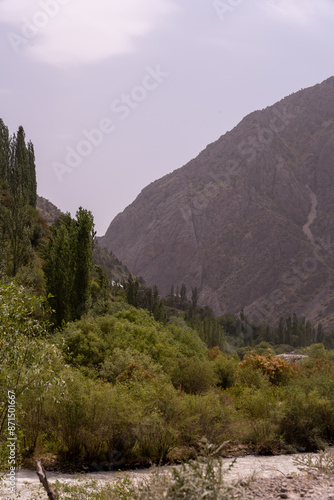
x=47, y=209
x=112, y=267
x=250, y=221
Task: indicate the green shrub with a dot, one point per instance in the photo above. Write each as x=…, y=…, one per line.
x=247, y=376
x=120, y=359
x=205, y=416
x=262, y=412
x=91, y=341
x=308, y=419
x=79, y=414
x=29, y=363
x=225, y=368
x=193, y=375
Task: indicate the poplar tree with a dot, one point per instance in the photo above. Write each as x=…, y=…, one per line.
x=183, y=295
x=68, y=265
x=83, y=255
x=194, y=298
x=19, y=193
x=32, y=183
x=4, y=152
x=19, y=167
x=59, y=267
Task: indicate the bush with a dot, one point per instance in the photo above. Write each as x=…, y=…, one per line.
x=90, y=420
x=262, y=415
x=28, y=362
x=91, y=341
x=120, y=359
x=277, y=370
x=248, y=376
x=193, y=375
x=205, y=416
x=225, y=368
x=308, y=419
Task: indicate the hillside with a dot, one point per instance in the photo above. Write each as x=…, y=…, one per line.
x=47, y=209
x=111, y=266
x=250, y=220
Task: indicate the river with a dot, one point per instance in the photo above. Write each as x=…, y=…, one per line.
x=244, y=467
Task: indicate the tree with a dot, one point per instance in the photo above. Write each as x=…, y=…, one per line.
x=132, y=289
x=280, y=331
x=68, y=265
x=320, y=333
x=171, y=298
x=18, y=181
x=32, y=184
x=17, y=226
x=4, y=152
x=148, y=299
x=25, y=357
x=183, y=295
x=288, y=331
x=83, y=255
x=58, y=268
x=194, y=298
x=295, y=330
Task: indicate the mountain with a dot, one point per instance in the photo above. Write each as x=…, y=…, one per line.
x=47, y=209
x=111, y=266
x=250, y=221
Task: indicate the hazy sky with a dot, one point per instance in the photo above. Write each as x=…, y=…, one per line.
x=114, y=94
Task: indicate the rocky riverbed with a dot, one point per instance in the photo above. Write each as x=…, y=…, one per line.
x=263, y=477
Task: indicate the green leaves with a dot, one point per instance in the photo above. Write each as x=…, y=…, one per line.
x=68, y=265
x=18, y=199
x=26, y=359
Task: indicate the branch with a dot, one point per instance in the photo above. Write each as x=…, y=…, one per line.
x=42, y=477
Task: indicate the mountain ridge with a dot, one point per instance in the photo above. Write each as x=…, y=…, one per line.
x=231, y=220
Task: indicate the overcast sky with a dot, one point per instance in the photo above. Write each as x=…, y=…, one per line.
x=114, y=94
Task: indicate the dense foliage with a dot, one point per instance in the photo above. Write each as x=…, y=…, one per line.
x=122, y=387
x=68, y=265
x=20, y=226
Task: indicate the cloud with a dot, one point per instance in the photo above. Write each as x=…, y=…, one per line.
x=63, y=32
x=300, y=12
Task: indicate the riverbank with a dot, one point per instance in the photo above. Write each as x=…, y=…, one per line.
x=260, y=477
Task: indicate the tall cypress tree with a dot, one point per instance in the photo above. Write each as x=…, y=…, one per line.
x=4, y=153
x=19, y=190
x=85, y=236
x=22, y=170
x=32, y=183
x=20, y=167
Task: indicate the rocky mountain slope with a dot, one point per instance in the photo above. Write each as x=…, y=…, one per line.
x=47, y=209
x=250, y=221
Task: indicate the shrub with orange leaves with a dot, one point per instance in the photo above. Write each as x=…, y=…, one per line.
x=134, y=371
x=213, y=353
x=277, y=370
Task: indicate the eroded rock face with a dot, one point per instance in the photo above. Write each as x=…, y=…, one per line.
x=232, y=221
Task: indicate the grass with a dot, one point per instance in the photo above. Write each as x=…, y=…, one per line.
x=322, y=463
